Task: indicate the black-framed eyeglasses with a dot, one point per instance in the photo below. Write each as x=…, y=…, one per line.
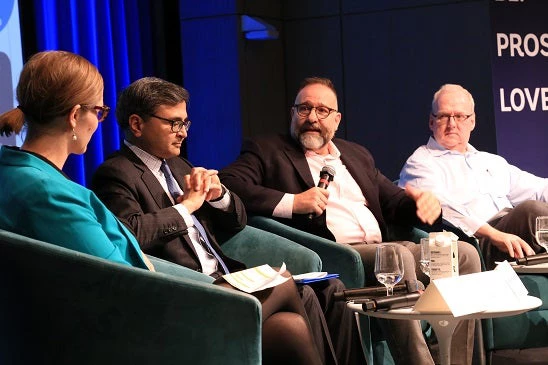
x=322, y=112
x=176, y=125
x=102, y=110
x=444, y=118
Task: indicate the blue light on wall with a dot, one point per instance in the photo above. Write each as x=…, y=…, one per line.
x=258, y=29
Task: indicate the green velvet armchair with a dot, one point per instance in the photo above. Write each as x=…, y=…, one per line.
x=335, y=258
x=59, y=306
x=254, y=247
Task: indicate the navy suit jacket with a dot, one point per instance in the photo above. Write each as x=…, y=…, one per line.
x=130, y=190
x=269, y=167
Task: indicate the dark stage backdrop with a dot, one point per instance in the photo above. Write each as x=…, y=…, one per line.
x=387, y=58
x=519, y=44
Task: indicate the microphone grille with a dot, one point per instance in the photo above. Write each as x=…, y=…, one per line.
x=329, y=169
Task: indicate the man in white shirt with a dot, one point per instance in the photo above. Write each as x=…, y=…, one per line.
x=481, y=193
x=277, y=176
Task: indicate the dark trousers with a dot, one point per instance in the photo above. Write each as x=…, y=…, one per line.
x=332, y=323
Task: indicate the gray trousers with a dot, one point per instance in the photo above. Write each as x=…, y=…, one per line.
x=404, y=337
x=519, y=221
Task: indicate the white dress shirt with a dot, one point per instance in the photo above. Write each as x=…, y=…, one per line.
x=207, y=260
x=347, y=215
x=472, y=186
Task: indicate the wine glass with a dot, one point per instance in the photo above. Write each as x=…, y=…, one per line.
x=541, y=233
x=425, y=256
x=388, y=266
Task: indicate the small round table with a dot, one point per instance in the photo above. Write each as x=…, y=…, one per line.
x=444, y=323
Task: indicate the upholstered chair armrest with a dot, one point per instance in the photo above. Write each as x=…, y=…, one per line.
x=405, y=233
x=336, y=258
x=255, y=247
x=167, y=267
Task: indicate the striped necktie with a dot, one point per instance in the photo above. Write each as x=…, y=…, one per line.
x=170, y=180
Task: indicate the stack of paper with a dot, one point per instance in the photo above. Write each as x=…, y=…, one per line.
x=473, y=293
x=257, y=278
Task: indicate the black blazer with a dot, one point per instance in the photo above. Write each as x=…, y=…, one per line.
x=269, y=167
x=130, y=190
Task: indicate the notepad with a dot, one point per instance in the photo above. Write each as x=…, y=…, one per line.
x=312, y=277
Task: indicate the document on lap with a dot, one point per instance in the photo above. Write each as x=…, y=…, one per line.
x=256, y=278
x=264, y=277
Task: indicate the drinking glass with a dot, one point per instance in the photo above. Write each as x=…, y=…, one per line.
x=541, y=233
x=425, y=256
x=388, y=266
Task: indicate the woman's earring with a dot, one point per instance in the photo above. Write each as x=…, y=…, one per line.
x=74, y=136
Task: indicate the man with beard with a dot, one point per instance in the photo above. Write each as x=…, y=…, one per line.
x=177, y=212
x=277, y=177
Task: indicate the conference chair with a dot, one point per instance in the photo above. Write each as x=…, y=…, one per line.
x=59, y=306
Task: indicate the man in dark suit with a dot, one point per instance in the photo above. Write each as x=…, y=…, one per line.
x=176, y=210
x=277, y=177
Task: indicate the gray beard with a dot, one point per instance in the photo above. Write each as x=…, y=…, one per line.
x=311, y=142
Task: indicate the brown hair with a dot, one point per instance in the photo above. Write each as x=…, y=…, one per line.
x=50, y=85
x=144, y=96
x=317, y=80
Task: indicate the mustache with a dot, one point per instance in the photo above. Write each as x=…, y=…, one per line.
x=309, y=128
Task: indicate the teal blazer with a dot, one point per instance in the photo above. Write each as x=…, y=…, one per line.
x=38, y=201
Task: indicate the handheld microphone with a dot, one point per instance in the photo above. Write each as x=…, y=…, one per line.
x=540, y=258
x=326, y=176
x=391, y=302
x=410, y=286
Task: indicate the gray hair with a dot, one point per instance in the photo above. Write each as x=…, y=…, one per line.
x=451, y=87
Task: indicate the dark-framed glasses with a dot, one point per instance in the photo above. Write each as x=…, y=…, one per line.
x=176, y=125
x=102, y=110
x=444, y=118
x=322, y=112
